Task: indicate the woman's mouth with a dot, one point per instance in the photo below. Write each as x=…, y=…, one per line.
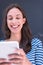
x=14, y=26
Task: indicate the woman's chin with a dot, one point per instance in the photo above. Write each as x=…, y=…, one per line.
x=16, y=31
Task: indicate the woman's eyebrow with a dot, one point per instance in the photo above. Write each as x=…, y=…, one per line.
x=9, y=15
x=17, y=14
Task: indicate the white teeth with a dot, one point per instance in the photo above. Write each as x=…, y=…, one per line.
x=14, y=26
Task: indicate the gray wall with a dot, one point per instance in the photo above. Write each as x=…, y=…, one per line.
x=34, y=13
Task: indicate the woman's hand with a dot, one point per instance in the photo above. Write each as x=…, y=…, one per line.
x=3, y=61
x=19, y=58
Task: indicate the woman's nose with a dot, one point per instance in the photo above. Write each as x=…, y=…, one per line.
x=14, y=20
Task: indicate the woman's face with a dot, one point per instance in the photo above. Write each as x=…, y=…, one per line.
x=15, y=20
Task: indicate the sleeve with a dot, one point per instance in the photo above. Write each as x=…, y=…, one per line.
x=39, y=53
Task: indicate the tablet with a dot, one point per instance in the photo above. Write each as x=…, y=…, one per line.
x=7, y=47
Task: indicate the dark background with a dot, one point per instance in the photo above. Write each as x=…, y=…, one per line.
x=34, y=13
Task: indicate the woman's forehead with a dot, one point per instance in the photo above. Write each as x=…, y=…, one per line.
x=14, y=11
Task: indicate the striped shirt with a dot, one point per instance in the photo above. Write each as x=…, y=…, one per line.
x=36, y=53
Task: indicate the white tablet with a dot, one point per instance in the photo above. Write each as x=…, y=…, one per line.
x=7, y=47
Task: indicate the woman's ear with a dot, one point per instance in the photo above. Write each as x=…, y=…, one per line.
x=24, y=20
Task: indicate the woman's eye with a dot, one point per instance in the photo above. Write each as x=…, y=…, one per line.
x=10, y=18
x=17, y=17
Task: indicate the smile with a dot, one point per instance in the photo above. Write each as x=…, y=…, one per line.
x=14, y=27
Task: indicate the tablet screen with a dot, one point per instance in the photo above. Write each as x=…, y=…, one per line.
x=7, y=47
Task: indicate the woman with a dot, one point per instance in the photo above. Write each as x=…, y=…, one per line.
x=16, y=27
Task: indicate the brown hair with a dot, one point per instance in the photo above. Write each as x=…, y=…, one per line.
x=26, y=34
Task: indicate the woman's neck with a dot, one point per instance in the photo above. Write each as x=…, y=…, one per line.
x=15, y=37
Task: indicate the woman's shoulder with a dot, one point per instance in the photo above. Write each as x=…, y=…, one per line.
x=36, y=41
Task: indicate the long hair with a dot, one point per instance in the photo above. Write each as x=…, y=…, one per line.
x=26, y=35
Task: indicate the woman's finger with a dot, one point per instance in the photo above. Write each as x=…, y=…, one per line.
x=20, y=51
x=15, y=60
x=4, y=61
x=15, y=55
